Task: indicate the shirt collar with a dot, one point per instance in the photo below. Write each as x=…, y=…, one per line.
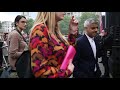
x=89, y=37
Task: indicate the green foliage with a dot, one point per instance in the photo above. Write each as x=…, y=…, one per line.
x=30, y=23
x=64, y=24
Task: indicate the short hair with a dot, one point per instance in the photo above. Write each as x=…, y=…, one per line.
x=90, y=21
x=17, y=19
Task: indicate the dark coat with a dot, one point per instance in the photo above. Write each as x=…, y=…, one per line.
x=84, y=60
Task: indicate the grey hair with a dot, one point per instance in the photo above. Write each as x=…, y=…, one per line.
x=90, y=21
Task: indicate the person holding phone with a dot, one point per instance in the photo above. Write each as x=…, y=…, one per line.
x=48, y=46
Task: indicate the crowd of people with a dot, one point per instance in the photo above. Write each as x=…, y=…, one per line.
x=48, y=47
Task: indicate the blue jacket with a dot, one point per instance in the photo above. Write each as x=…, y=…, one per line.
x=84, y=60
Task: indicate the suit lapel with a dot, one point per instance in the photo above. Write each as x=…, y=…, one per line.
x=96, y=43
x=88, y=45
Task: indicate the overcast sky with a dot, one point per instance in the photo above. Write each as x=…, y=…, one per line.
x=10, y=16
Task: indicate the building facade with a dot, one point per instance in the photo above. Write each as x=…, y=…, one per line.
x=7, y=26
x=26, y=14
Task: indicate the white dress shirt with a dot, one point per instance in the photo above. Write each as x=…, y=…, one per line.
x=93, y=46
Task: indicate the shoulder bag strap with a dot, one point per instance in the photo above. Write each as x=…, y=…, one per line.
x=21, y=35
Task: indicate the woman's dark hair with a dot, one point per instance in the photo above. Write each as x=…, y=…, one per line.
x=17, y=19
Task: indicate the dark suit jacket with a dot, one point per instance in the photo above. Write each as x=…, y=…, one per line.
x=1, y=53
x=84, y=60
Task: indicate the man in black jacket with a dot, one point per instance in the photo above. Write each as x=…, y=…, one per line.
x=1, y=54
x=86, y=58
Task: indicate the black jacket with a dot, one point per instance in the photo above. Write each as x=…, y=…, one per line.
x=84, y=60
